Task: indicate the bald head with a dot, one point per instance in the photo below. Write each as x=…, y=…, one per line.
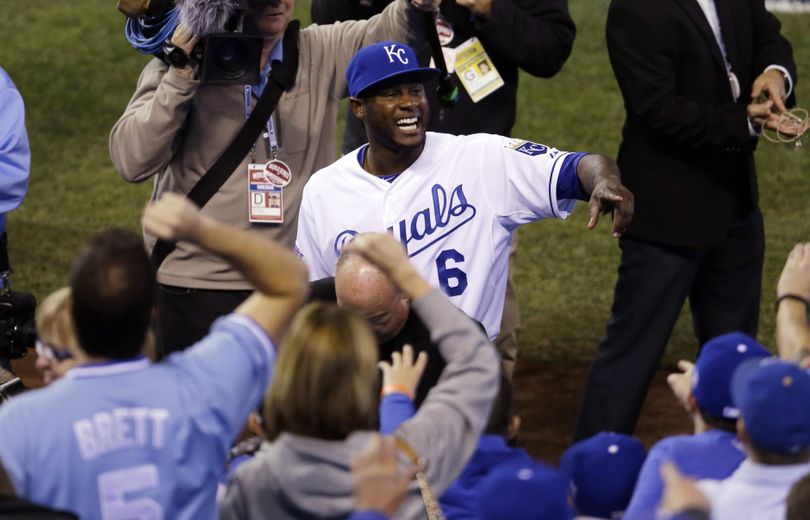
x=361, y=286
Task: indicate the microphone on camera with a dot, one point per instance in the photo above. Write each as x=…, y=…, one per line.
x=204, y=17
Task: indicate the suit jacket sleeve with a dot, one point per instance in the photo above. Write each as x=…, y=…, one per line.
x=770, y=46
x=537, y=35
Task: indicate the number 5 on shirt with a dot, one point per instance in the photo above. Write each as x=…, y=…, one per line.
x=114, y=485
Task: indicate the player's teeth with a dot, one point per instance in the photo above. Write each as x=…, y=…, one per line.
x=411, y=121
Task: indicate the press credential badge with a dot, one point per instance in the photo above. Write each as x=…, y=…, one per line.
x=265, y=197
x=476, y=71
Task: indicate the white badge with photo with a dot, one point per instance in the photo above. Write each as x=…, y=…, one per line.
x=265, y=195
x=476, y=71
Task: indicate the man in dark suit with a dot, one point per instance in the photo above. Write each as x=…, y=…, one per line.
x=699, y=79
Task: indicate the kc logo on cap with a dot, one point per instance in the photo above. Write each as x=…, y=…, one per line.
x=386, y=62
x=397, y=52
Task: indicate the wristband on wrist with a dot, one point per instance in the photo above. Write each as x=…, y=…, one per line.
x=791, y=296
x=397, y=389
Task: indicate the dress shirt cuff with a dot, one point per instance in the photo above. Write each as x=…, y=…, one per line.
x=753, y=131
x=788, y=79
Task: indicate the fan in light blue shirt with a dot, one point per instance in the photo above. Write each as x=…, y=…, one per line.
x=119, y=437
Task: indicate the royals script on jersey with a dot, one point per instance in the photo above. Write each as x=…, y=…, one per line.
x=454, y=209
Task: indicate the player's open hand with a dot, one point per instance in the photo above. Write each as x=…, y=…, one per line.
x=609, y=193
x=402, y=374
x=172, y=218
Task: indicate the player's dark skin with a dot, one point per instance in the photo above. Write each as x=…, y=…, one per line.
x=394, y=146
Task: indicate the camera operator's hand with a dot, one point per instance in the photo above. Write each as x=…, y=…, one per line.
x=427, y=5
x=173, y=218
x=183, y=39
x=180, y=52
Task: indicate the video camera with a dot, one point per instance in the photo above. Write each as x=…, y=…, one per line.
x=18, y=331
x=229, y=51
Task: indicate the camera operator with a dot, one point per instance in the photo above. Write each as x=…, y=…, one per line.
x=175, y=127
x=15, y=164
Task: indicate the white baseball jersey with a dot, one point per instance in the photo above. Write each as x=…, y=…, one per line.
x=134, y=440
x=454, y=209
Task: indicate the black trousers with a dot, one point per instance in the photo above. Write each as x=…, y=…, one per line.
x=186, y=314
x=723, y=285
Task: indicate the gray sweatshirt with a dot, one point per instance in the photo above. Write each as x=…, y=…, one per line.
x=299, y=478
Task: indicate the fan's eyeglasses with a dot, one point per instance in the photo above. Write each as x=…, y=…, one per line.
x=52, y=352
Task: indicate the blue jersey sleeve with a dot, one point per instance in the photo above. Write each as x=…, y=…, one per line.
x=568, y=184
x=395, y=409
x=225, y=375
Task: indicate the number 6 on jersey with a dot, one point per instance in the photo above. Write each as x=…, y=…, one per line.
x=452, y=280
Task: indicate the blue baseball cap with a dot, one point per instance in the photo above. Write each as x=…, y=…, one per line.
x=603, y=470
x=774, y=401
x=525, y=491
x=713, y=370
x=383, y=61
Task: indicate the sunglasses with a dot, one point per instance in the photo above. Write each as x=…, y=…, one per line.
x=52, y=352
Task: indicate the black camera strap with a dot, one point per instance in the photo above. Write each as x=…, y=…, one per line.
x=447, y=88
x=282, y=77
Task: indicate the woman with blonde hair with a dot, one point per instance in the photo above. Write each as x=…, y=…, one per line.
x=56, y=338
x=321, y=405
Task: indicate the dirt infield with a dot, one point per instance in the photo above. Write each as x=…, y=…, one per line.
x=547, y=399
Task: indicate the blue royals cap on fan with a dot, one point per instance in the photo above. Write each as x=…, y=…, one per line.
x=524, y=491
x=774, y=401
x=384, y=61
x=603, y=470
x=714, y=367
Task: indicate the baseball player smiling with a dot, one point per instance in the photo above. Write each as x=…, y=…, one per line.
x=453, y=201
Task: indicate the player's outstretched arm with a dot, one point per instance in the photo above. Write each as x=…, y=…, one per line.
x=600, y=177
x=278, y=276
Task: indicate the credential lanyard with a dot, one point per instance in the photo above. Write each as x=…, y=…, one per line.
x=270, y=135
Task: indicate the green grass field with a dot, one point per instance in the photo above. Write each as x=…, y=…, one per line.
x=76, y=73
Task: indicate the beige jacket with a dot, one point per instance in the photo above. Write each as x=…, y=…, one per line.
x=176, y=128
